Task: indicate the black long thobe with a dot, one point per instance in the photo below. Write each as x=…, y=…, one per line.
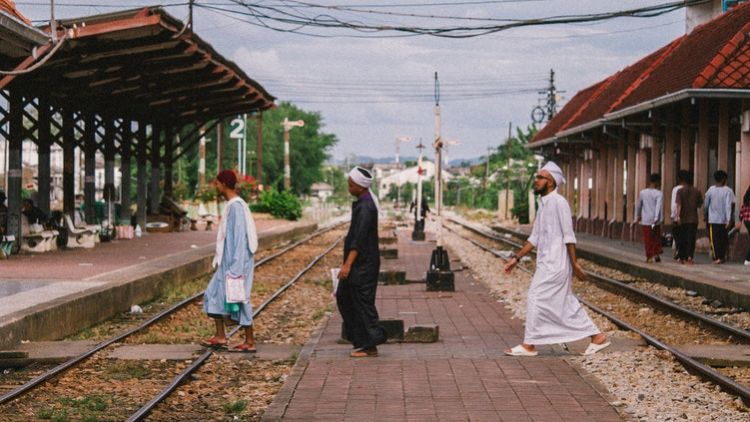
x=356, y=295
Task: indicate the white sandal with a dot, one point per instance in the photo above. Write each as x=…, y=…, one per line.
x=520, y=351
x=593, y=348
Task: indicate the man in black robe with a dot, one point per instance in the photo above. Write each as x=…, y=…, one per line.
x=358, y=277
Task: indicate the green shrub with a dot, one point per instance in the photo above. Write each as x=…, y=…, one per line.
x=279, y=204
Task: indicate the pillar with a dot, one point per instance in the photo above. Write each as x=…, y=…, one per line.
x=142, y=182
x=632, y=164
x=668, y=176
x=125, y=156
x=583, y=190
x=153, y=194
x=722, y=158
x=44, y=118
x=168, y=161
x=109, y=165
x=259, y=150
x=600, y=184
x=15, y=160
x=701, y=179
x=89, y=180
x=219, y=146
x=686, y=138
x=594, y=172
x=69, y=162
x=610, y=187
x=618, y=197
x=744, y=152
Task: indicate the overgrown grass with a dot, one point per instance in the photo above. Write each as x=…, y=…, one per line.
x=126, y=370
x=235, y=408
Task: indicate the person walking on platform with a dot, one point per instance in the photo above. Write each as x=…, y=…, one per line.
x=718, y=208
x=236, y=244
x=419, y=223
x=745, y=218
x=648, y=211
x=675, y=227
x=358, y=278
x=553, y=314
x=689, y=199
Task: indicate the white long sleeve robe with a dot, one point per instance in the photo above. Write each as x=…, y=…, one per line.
x=553, y=314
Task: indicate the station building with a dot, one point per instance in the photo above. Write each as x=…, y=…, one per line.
x=684, y=106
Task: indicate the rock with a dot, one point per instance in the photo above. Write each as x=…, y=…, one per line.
x=641, y=396
x=643, y=311
x=691, y=293
x=717, y=303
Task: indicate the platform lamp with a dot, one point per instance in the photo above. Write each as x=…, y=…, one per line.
x=439, y=275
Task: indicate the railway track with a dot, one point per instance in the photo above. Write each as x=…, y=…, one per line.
x=275, y=286
x=727, y=332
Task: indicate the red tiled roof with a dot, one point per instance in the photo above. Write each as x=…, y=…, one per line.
x=714, y=55
x=701, y=55
x=9, y=7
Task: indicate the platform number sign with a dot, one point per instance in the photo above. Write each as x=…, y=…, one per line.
x=237, y=132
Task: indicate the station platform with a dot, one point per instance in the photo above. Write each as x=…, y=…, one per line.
x=728, y=282
x=462, y=377
x=48, y=296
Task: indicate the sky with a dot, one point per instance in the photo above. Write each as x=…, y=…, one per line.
x=371, y=91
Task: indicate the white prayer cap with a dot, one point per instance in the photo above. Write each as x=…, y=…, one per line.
x=361, y=177
x=555, y=172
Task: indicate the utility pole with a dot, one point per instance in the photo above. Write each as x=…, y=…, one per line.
x=418, y=232
x=259, y=151
x=507, y=181
x=551, y=96
x=287, y=169
x=439, y=275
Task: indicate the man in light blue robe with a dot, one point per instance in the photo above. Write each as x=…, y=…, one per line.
x=235, y=248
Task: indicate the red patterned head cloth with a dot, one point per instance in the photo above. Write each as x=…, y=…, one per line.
x=228, y=178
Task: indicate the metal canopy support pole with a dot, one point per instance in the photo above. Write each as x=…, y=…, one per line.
x=15, y=171
x=125, y=154
x=168, y=161
x=43, y=147
x=109, y=167
x=668, y=178
x=219, y=146
x=202, y=158
x=69, y=163
x=141, y=178
x=89, y=190
x=630, y=192
x=259, y=151
x=153, y=197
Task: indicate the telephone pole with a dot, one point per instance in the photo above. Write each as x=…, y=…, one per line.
x=287, y=169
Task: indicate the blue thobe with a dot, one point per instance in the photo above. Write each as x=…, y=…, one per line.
x=236, y=261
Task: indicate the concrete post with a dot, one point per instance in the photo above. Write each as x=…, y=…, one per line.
x=69, y=163
x=600, y=186
x=668, y=177
x=618, y=197
x=109, y=165
x=686, y=139
x=89, y=180
x=125, y=183
x=594, y=173
x=610, y=187
x=142, y=182
x=168, y=161
x=632, y=166
x=722, y=151
x=744, y=152
x=583, y=190
x=15, y=160
x=44, y=143
x=153, y=195
x=702, y=146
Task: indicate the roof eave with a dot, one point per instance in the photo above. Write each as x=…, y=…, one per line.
x=676, y=97
x=14, y=30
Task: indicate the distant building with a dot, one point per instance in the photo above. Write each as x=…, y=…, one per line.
x=322, y=191
x=408, y=175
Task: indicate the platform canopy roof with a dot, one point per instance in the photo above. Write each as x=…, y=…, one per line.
x=712, y=61
x=142, y=64
x=17, y=37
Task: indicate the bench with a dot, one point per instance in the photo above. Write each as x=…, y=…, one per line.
x=178, y=215
x=35, y=239
x=79, y=237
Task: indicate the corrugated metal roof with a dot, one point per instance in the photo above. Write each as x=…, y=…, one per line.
x=139, y=64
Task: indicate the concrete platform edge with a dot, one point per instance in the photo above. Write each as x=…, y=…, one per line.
x=277, y=409
x=66, y=315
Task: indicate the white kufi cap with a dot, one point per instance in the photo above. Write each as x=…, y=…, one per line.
x=555, y=172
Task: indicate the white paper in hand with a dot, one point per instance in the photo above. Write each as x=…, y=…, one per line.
x=335, y=280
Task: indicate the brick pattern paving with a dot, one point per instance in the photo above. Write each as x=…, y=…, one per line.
x=463, y=377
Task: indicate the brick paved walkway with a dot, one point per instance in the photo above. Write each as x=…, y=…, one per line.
x=464, y=377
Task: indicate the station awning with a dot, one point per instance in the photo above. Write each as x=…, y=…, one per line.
x=142, y=65
x=17, y=39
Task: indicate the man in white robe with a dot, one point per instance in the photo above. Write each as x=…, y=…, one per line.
x=553, y=314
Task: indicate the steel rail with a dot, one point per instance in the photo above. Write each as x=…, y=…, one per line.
x=35, y=382
x=705, y=371
x=141, y=413
x=610, y=283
